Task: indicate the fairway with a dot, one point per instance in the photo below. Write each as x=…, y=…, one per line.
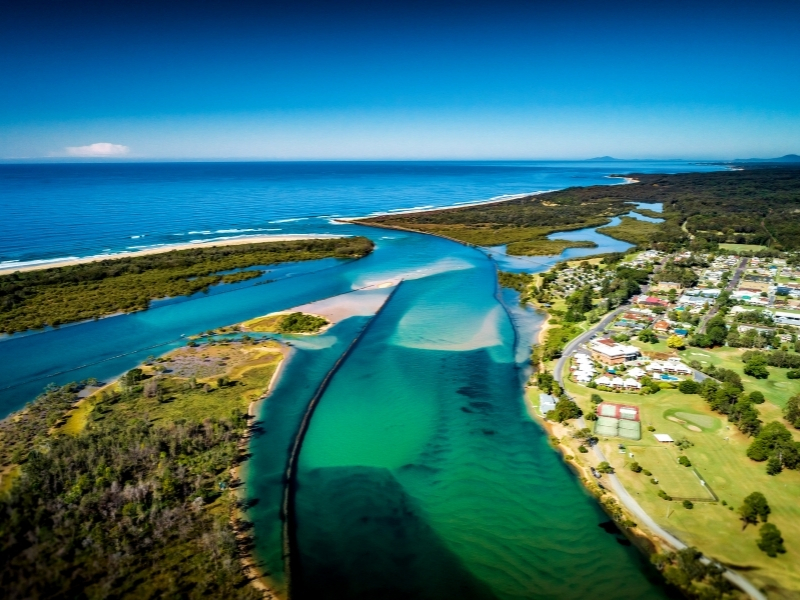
x=691, y=419
x=676, y=480
x=742, y=247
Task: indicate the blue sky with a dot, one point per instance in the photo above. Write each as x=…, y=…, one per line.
x=314, y=80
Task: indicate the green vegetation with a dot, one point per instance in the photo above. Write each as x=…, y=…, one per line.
x=634, y=231
x=775, y=443
x=515, y=281
x=755, y=207
x=685, y=570
x=139, y=500
x=565, y=410
x=604, y=467
x=35, y=299
x=556, y=339
x=522, y=224
x=719, y=456
x=771, y=541
x=296, y=322
x=755, y=507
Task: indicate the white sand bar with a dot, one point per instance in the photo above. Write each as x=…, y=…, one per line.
x=359, y=303
x=254, y=239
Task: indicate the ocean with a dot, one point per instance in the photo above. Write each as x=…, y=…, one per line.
x=421, y=474
x=52, y=211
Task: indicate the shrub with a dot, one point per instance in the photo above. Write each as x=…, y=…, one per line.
x=582, y=449
x=770, y=540
x=685, y=461
x=754, y=507
x=604, y=467
x=646, y=472
x=664, y=495
x=756, y=397
x=688, y=504
x=793, y=374
x=635, y=467
x=689, y=386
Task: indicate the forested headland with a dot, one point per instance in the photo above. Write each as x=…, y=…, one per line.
x=753, y=206
x=130, y=492
x=35, y=299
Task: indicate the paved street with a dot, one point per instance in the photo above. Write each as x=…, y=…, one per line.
x=630, y=503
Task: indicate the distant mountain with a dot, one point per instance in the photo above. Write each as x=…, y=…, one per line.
x=789, y=158
x=603, y=159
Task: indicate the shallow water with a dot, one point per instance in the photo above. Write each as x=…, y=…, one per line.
x=421, y=474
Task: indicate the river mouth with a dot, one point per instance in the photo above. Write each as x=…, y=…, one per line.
x=421, y=474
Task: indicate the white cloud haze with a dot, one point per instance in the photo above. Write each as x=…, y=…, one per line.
x=98, y=149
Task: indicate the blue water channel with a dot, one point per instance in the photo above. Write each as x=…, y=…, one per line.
x=421, y=474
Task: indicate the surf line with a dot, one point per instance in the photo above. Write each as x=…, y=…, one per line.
x=290, y=478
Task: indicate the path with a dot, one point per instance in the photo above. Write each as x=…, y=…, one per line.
x=628, y=501
x=737, y=275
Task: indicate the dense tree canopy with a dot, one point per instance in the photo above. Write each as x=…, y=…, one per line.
x=35, y=299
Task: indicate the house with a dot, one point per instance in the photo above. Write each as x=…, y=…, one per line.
x=787, y=318
x=636, y=373
x=661, y=326
x=632, y=384
x=610, y=352
x=663, y=438
x=652, y=301
x=671, y=365
x=546, y=403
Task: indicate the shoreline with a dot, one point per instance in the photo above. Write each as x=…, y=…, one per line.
x=249, y=561
x=646, y=541
x=24, y=266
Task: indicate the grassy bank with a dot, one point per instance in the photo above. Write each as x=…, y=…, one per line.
x=132, y=492
x=35, y=299
x=753, y=206
x=717, y=454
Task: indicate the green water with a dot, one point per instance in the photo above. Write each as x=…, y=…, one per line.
x=421, y=475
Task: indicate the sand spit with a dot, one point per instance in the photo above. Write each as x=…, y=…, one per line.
x=255, y=239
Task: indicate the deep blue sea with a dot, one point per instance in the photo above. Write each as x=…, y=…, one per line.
x=63, y=210
x=422, y=474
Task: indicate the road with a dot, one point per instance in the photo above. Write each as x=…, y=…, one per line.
x=582, y=339
x=737, y=275
x=628, y=501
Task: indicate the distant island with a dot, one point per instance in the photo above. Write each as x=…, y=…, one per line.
x=604, y=159
x=788, y=158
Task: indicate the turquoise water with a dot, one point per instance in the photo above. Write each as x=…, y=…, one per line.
x=421, y=474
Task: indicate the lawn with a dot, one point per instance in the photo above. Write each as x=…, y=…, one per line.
x=249, y=369
x=719, y=456
x=742, y=247
x=676, y=480
x=777, y=388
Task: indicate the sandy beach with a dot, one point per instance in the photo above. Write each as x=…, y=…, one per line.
x=255, y=239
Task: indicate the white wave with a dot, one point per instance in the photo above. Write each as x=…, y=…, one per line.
x=412, y=208
x=13, y=264
x=147, y=246
x=199, y=233
x=243, y=230
x=286, y=237
x=290, y=220
x=136, y=237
